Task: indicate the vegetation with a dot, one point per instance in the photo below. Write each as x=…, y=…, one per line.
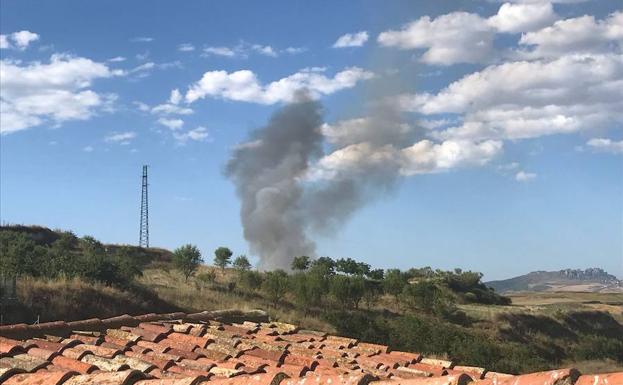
x=187, y=259
x=222, y=257
x=242, y=263
x=440, y=313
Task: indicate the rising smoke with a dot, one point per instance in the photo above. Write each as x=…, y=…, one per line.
x=267, y=172
x=289, y=188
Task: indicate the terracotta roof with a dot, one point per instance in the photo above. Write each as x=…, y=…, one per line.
x=228, y=348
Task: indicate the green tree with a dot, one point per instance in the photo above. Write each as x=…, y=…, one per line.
x=372, y=292
x=62, y=257
x=222, y=257
x=301, y=263
x=376, y=274
x=348, y=291
x=394, y=282
x=20, y=255
x=242, y=263
x=275, y=285
x=186, y=259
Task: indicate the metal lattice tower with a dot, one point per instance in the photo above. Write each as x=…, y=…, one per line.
x=143, y=239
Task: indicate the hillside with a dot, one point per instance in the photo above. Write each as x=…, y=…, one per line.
x=593, y=280
x=448, y=314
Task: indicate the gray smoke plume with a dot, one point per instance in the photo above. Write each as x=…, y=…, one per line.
x=290, y=189
x=266, y=171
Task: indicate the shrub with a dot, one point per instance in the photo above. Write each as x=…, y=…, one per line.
x=275, y=285
x=250, y=280
x=207, y=276
x=348, y=291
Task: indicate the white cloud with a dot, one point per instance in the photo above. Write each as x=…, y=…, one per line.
x=117, y=59
x=578, y=35
x=176, y=97
x=571, y=93
x=244, y=86
x=523, y=176
x=351, y=40
x=606, y=145
x=514, y=18
x=122, y=138
x=23, y=38
x=219, y=51
x=185, y=47
x=36, y=93
x=295, y=50
x=4, y=42
x=88, y=149
x=142, y=39
x=199, y=134
x=244, y=50
x=457, y=37
x=20, y=40
x=173, y=124
x=265, y=50
x=144, y=67
x=427, y=157
x=423, y=157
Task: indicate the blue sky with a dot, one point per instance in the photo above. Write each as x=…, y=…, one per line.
x=509, y=149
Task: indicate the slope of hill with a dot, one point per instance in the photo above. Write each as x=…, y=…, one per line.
x=590, y=280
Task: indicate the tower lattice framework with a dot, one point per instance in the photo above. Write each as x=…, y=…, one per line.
x=143, y=239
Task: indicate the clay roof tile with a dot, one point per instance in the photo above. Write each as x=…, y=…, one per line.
x=126, y=377
x=41, y=378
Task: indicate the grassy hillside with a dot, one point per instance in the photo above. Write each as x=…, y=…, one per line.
x=445, y=314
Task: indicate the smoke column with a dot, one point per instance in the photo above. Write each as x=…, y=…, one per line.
x=266, y=171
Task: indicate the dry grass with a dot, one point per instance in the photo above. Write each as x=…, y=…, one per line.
x=74, y=299
x=595, y=366
x=196, y=295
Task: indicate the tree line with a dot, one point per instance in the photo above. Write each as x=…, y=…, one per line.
x=349, y=284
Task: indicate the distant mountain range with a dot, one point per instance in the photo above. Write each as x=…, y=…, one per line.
x=589, y=280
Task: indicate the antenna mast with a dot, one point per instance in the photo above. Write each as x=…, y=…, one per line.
x=143, y=240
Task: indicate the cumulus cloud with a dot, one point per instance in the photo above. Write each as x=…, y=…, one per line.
x=606, y=145
x=20, y=40
x=514, y=18
x=579, y=35
x=351, y=40
x=523, y=176
x=36, y=93
x=4, y=42
x=568, y=94
x=457, y=37
x=122, y=138
x=117, y=59
x=244, y=86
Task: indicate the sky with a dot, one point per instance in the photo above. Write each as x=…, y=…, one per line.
x=506, y=151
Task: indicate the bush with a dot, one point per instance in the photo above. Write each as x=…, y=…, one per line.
x=250, y=280
x=207, y=277
x=275, y=285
